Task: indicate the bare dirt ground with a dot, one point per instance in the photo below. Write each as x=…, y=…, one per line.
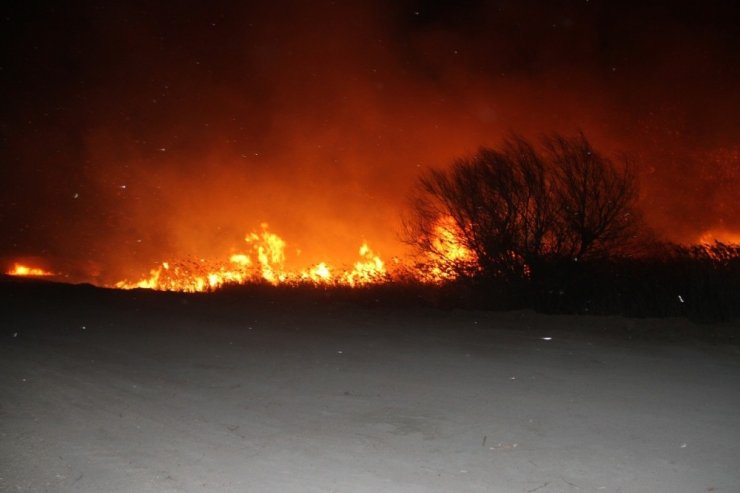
x=139, y=392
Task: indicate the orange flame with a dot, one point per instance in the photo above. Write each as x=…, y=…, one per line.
x=270, y=250
x=719, y=245
x=722, y=236
x=447, y=241
x=264, y=261
x=369, y=270
x=27, y=271
x=447, y=252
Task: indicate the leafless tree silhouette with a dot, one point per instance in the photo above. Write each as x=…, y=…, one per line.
x=595, y=199
x=516, y=207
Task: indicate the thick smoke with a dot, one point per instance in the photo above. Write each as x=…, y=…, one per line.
x=138, y=133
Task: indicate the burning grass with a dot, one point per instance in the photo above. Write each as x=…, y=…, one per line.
x=262, y=260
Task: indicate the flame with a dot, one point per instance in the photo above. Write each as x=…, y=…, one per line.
x=27, y=271
x=446, y=254
x=447, y=241
x=270, y=250
x=369, y=270
x=720, y=245
x=722, y=236
x=318, y=274
x=263, y=261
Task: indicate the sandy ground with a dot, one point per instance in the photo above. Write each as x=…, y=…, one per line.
x=106, y=392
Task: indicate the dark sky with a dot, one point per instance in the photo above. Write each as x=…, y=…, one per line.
x=137, y=131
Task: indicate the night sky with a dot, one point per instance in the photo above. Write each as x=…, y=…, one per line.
x=133, y=132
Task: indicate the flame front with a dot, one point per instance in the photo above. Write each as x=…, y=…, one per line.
x=263, y=261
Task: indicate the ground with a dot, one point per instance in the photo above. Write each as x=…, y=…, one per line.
x=142, y=392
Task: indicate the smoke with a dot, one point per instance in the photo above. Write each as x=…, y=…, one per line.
x=140, y=133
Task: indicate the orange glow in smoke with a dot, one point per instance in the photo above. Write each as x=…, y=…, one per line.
x=27, y=271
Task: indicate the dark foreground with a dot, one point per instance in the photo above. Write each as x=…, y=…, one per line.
x=151, y=392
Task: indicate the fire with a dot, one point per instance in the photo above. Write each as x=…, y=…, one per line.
x=27, y=271
x=270, y=250
x=447, y=241
x=319, y=274
x=370, y=269
x=263, y=261
x=447, y=253
x=720, y=245
x=722, y=236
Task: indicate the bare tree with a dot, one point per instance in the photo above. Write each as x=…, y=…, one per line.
x=498, y=203
x=515, y=207
x=595, y=199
